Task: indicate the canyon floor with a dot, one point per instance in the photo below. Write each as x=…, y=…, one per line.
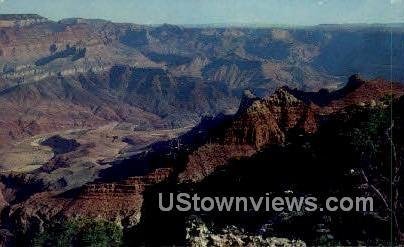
x=106, y=144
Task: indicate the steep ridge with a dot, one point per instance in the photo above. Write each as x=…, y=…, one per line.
x=263, y=122
x=356, y=91
x=267, y=121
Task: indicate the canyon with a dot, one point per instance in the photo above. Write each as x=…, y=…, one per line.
x=96, y=71
x=97, y=118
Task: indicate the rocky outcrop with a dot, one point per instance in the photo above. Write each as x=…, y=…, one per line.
x=127, y=187
x=259, y=122
x=267, y=121
x=119, y=202
x=199, y=235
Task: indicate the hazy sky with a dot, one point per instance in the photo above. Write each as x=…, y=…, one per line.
x=301, y=12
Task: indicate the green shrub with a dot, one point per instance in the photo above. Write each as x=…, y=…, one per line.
x=80, y=232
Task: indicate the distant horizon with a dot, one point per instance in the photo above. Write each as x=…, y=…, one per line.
x=216, y=24
x=216, y=12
